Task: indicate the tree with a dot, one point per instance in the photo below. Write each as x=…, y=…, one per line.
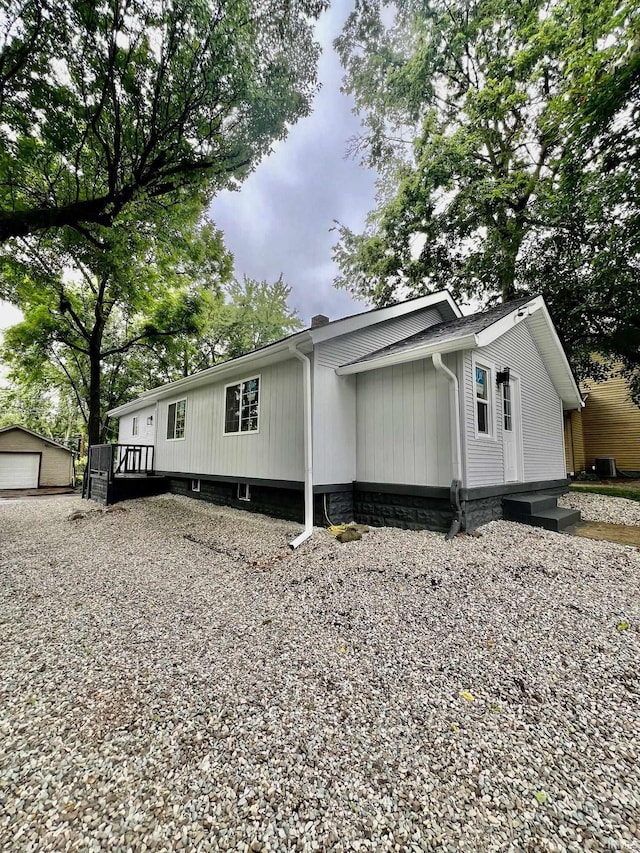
x=249, y=314
x=476, y=114
x=106, y=105
x=87, y=304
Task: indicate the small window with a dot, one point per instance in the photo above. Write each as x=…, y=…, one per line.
x=241, y=406
x=195, y=485
x=483, y=419
x=244, y=493
x=134, y=426
x=506, y=407
x=176, y=419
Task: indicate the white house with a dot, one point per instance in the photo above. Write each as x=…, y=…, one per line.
x=410, y=415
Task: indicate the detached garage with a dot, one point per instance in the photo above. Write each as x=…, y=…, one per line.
x=31, y=461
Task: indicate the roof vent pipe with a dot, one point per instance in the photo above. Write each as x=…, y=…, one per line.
x=319, y=320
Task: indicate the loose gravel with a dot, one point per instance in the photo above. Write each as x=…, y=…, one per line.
x=603, y=508
x=173, y=677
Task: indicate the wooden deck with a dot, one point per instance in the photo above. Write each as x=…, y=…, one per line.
x=119, y=472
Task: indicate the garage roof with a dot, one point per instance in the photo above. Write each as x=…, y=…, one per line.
x=35, y=435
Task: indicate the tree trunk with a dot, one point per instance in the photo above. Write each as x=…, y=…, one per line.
x=94, y=423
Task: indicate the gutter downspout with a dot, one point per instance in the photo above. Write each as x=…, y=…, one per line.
x=456, y=444
x=308, y=449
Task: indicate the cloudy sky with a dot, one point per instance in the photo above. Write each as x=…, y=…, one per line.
x=279, y=221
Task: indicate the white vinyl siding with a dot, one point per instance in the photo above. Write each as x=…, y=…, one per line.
x=334, y=397
x=146, y=427
x=276, y=452
x=346, y=348
x=404, y=425
x=541, y=413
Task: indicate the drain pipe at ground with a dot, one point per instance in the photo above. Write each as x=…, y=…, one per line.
x=308, y=450
x=456, y=444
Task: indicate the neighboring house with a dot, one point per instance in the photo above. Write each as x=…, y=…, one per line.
x=410, y=415
x=608, y=426
x=31, y=461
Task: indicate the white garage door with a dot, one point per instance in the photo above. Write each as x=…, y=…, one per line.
x=19, y=470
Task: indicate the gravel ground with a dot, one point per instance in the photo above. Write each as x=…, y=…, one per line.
x=603, y=508
x=173, y=677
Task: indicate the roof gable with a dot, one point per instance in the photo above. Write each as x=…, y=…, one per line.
x=35, y=435
x=479, y=330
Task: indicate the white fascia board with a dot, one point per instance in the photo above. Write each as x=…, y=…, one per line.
x=132, y=406
x=496, y=330
x=565, y=383
x=405, y=356
x=370, y=318
x=569, y=391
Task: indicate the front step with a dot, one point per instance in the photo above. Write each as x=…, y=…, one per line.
x=539, y=511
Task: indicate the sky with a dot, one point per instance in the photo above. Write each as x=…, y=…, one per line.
x=280, y=219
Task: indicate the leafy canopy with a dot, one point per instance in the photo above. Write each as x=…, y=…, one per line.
x=106, y=104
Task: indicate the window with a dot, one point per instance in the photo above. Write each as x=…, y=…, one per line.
x=241, y=406
x=244, y=494
x=134, y=426
x=195, y=485
x=483, y=419
x=506, y=407
x=176, y=419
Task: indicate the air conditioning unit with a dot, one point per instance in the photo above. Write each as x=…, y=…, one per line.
x=605, y=466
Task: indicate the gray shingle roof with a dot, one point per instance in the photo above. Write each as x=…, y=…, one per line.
x=448, y=330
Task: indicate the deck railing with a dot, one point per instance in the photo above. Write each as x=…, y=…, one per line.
x=109, y=460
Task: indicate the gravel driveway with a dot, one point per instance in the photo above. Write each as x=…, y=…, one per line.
x=173, y=677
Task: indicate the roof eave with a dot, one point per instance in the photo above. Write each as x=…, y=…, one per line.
x=404, y=357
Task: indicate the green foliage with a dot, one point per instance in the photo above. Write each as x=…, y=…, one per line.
x=506, y=137
x=247, y=315
x=612, y=491
x=106, y=105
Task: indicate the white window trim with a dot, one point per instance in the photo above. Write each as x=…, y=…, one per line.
x=135, y=426
x=257, y=376
x=171, y=403
x=195, y=485
x=490, y=367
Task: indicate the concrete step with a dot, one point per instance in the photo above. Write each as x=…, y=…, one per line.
x=557, y=519
x=529, y=504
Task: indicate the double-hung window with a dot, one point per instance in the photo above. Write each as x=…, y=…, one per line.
x=483, y=400
x=242, y=405
x=176, y=415
x=134, y=426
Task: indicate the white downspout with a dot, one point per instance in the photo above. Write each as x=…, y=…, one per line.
x=454, y=404
x=456, y=444
x=308, y=449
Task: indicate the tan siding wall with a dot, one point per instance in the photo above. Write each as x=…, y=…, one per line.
x=55, y=468
x=574, y=442
x=611, y=424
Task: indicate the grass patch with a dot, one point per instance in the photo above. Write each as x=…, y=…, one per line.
x=611, y=491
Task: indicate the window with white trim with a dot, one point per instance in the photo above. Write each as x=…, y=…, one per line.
x=244, y=492
x=195, y=485
x=134, y=426
x=483, y=399
x=241, y=406
x=176, y=417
